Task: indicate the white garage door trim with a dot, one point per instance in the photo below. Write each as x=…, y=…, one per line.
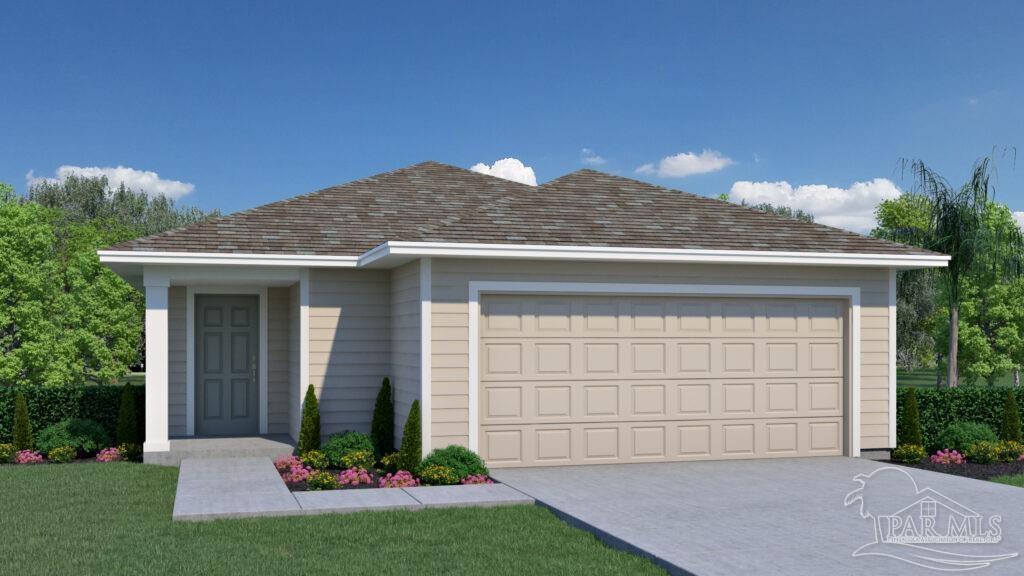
x=851, y=293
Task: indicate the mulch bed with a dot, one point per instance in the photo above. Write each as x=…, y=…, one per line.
x=969, y=470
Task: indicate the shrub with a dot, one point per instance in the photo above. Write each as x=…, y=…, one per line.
x=909, y=429
x=323, y=480
x=961, y=435
x=354, y=477
x=412, y=445
x=28, y=457
x=400, y=479
x=62, y=454
x=983, y=452
x=382, y=427
x=315, y=459
x=948, y=457
x=283, y=463
x=389, y=463
x=22, y=432
x=50, y=405
x=127, y=419
x=7, y=452
x=476, y=479
x=340, y=445
x=85, y=436
x=462, y=461
x=358, y=459
x=436, y=475
x=292, y=470
x=309, y=432
x=1010, y=451
x=909, y=453
x=940, y=407
x=109, y=455
x=1010, y=427
x=130, y=452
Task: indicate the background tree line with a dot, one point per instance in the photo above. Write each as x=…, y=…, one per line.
x=66, y=319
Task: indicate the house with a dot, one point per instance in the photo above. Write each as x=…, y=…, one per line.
x=590, y=319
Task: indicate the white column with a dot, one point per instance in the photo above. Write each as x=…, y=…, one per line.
x=156, y=364
x=426, y=359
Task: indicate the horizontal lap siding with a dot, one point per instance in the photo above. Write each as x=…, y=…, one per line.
x=176, y=361
x=450, y=323
x=405, y=341
x=349, y=344
x=278, y=359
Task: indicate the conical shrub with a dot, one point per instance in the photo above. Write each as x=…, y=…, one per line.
x=309, y=432
x=22, y=426
x=1010, y=428
x=382, y=428
x=127, y=418
x=412, y=444
x=909, y=429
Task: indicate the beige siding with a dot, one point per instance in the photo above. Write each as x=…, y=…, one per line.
x=278, y=359
x=405, y=341
x=176, y=361
x=450, y=323
x=349, y=344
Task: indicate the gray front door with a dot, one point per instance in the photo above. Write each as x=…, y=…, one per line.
x=227, y=348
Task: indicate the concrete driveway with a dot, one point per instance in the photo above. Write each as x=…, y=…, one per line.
x=783, y=516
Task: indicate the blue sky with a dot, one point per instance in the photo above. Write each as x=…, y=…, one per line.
x=245, y=104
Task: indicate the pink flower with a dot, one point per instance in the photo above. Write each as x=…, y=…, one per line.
x=476, y=479
x=948, y=457
x=354, y=477
x=109, y=455
x=400, y=479
x=28, y=457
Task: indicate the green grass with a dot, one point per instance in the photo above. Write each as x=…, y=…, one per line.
x=134, y=378
x=1011, y=479
x=116, y=519
x=925, y=378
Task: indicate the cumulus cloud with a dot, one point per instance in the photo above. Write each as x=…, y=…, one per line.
x=138, y=180
x=510, y=169
x=591, y=158
x=1019, y=217
x=852, y=208
x=686, y=164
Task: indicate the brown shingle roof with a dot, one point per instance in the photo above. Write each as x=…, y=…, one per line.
x=434, y=202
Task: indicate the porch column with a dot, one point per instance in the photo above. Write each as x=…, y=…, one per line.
x=156, y=364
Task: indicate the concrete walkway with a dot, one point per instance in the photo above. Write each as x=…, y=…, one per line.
x=213, y=488
x=780, y=516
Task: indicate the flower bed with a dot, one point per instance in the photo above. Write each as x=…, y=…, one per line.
x=970, y=469
x=67, y=455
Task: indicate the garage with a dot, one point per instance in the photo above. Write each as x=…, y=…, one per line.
x=591, y=379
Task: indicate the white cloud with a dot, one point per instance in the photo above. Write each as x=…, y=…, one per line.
x=591, y=158
x=852, y=208
x=1019, y=217
x=138, y=180
x=509, y=169
x=686, y=164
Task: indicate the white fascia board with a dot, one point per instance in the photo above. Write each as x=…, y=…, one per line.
x=226, y=259
x=404, y=250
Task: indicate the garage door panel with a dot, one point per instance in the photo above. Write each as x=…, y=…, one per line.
x=601, y=379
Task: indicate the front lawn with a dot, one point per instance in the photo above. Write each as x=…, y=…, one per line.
x=116, y=519
x=1011, y=479
x=925, y=378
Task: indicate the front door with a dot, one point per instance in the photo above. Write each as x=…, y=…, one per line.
x=227, y=348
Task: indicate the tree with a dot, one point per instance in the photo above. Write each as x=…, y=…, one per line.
x=22, y=432
x=784, y=211
x=382, y=427
x=309, y=431
x=991, y=330
x=412, y=442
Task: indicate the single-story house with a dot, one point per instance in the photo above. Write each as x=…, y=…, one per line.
x=590, y=319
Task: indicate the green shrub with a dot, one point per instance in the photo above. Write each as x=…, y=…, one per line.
x=909, y=453
x=982, y=452
x=390, y=462
x=85, y=436
x=437, y=475
x=322, y=480
x=961, y=435
x=48, y=406
x=412, y=445
x=1010, y=450
x=1010, y=427
x=309, y=432
x=358, y=459
x=127, y=419
x=130, y=452
x=315, y=459
x=7, y=453
x=22, y=427
x=909, y=429
x=382, y=428
x=62, y=454
x=940, y=407
x=338, y=446
x=460, y=460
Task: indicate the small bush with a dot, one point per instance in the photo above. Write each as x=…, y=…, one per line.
x=400, y=479
x=1010, y=451
x=28, y=457
x=476, y=479
x=62, y=454
x=382, y=427
x=909, y=453
x=355, y=477
x=85, y=436
x=309, y=432
x=315, y=459
x=7, y=453
x=109, y=455
x=292, y=470
x=983, y=452
x=22, y=431
x=436, y=475
x=323, y=480
x=1010, y=427
x=961, y=435
x=127, y=419
x=462, y=461
x=338, y=446
x=909, y=429
x=948, y=457
x=412, y=443
x=390, y=462
x=130, y=452
x=358, y=459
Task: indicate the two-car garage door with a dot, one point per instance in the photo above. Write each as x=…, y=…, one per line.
x=571, y=379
